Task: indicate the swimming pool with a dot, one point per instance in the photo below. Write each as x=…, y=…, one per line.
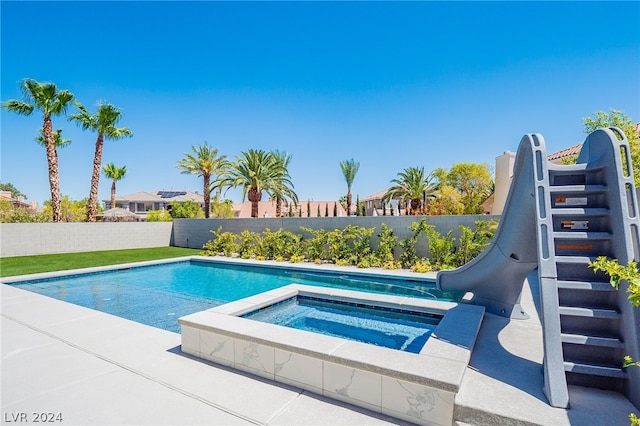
x=160, y=293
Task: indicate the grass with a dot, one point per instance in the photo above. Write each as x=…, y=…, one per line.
x=22, y=265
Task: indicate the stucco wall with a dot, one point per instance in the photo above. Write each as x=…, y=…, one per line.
x=194, y=233
x=24, y=239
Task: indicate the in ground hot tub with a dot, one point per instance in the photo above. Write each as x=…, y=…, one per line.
x=419, y=387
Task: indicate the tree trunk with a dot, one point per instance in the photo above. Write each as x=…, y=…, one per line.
x=52, y=161
x=92, y=206
x=207, y=196
x=416, y=203
x=349, y=200
x=278, y=207
x=254, y=196
x=113, y=194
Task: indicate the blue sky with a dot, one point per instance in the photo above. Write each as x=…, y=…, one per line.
x=390, y=84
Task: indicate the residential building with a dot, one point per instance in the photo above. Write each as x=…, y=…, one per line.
x=19, y=202
x=142, y=202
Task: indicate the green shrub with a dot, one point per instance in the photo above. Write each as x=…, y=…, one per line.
x=158, y=216
x=422, y=265
x=249, y=244
x=224, y=242
x=386, y=244
x=315, y=247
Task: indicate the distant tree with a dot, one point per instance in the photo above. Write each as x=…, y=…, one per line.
x=159, y=216
x=318, y=212
x=308, y=208
x=358, y=211
x=103, y=122
x=335, y=209
x=326, y=210
x=617, y=118
x=412, y=186
x=349, y=170
x=15, y=193
x=282, y=187
x=222, y=209
x=448, y=201
x=185, y=209
x=204, y=162
x=255, y=171
x=46, y=98
x=70, y=210
x=111, y=171
x=471, y=180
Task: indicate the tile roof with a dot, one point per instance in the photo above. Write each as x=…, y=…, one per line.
x=572, y=150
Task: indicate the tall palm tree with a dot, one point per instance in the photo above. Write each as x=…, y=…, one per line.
x=111, y=171
x=412, y=186
x=46, y=98
x=283, y=187
x=57, y=138
x=206, y=163
x=103, y=122
x=349, y=170
x=256, y=171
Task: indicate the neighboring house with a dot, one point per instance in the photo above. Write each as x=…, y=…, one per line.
x=572, y=151
x=373, y=205
x=142, y=202
x=268, y=209
x=17, y=203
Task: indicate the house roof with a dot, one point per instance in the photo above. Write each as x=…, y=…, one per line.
x=572, y=150
x=376, y=196
x=163, y=196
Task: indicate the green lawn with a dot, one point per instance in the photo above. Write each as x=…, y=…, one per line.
x=21, y=265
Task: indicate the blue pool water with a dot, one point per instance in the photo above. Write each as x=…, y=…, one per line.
x=158, y=295
x=392, y=328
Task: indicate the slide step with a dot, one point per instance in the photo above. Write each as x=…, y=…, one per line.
x=581, y=339
x=580, y=211
x=586, y=285
x=579, y=260
x=594, y=370
x=577, y=188
x=583, y=235
x=589, y=312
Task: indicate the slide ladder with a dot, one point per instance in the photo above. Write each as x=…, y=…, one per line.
x=558, y=218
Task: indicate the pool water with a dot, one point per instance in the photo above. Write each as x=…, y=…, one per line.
x=392, y=328
x=158, y=295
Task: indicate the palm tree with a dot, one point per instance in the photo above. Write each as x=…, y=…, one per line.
x=283, y=187
x=115, y=174
x=103, y=122
x=57, y=138
x=206, y=163
x=349, y=170
x=256, y=171
x=412, y=186
x=46, y=98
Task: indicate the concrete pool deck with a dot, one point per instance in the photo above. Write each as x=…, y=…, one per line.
x=94, y=368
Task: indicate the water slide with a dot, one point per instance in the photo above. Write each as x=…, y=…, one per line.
x=558, y=218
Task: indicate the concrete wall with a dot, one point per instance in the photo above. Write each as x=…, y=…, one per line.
x=25, y=239
x=194, y=233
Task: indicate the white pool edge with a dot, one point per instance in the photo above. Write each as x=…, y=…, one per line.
x=420, y=388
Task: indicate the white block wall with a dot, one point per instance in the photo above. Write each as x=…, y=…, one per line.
x=26, y=239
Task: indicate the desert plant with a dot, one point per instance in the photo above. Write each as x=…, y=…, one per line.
x=249, y=244
x=386, y=244
x=422, y=265
x=314, y=247
x=223, y=242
